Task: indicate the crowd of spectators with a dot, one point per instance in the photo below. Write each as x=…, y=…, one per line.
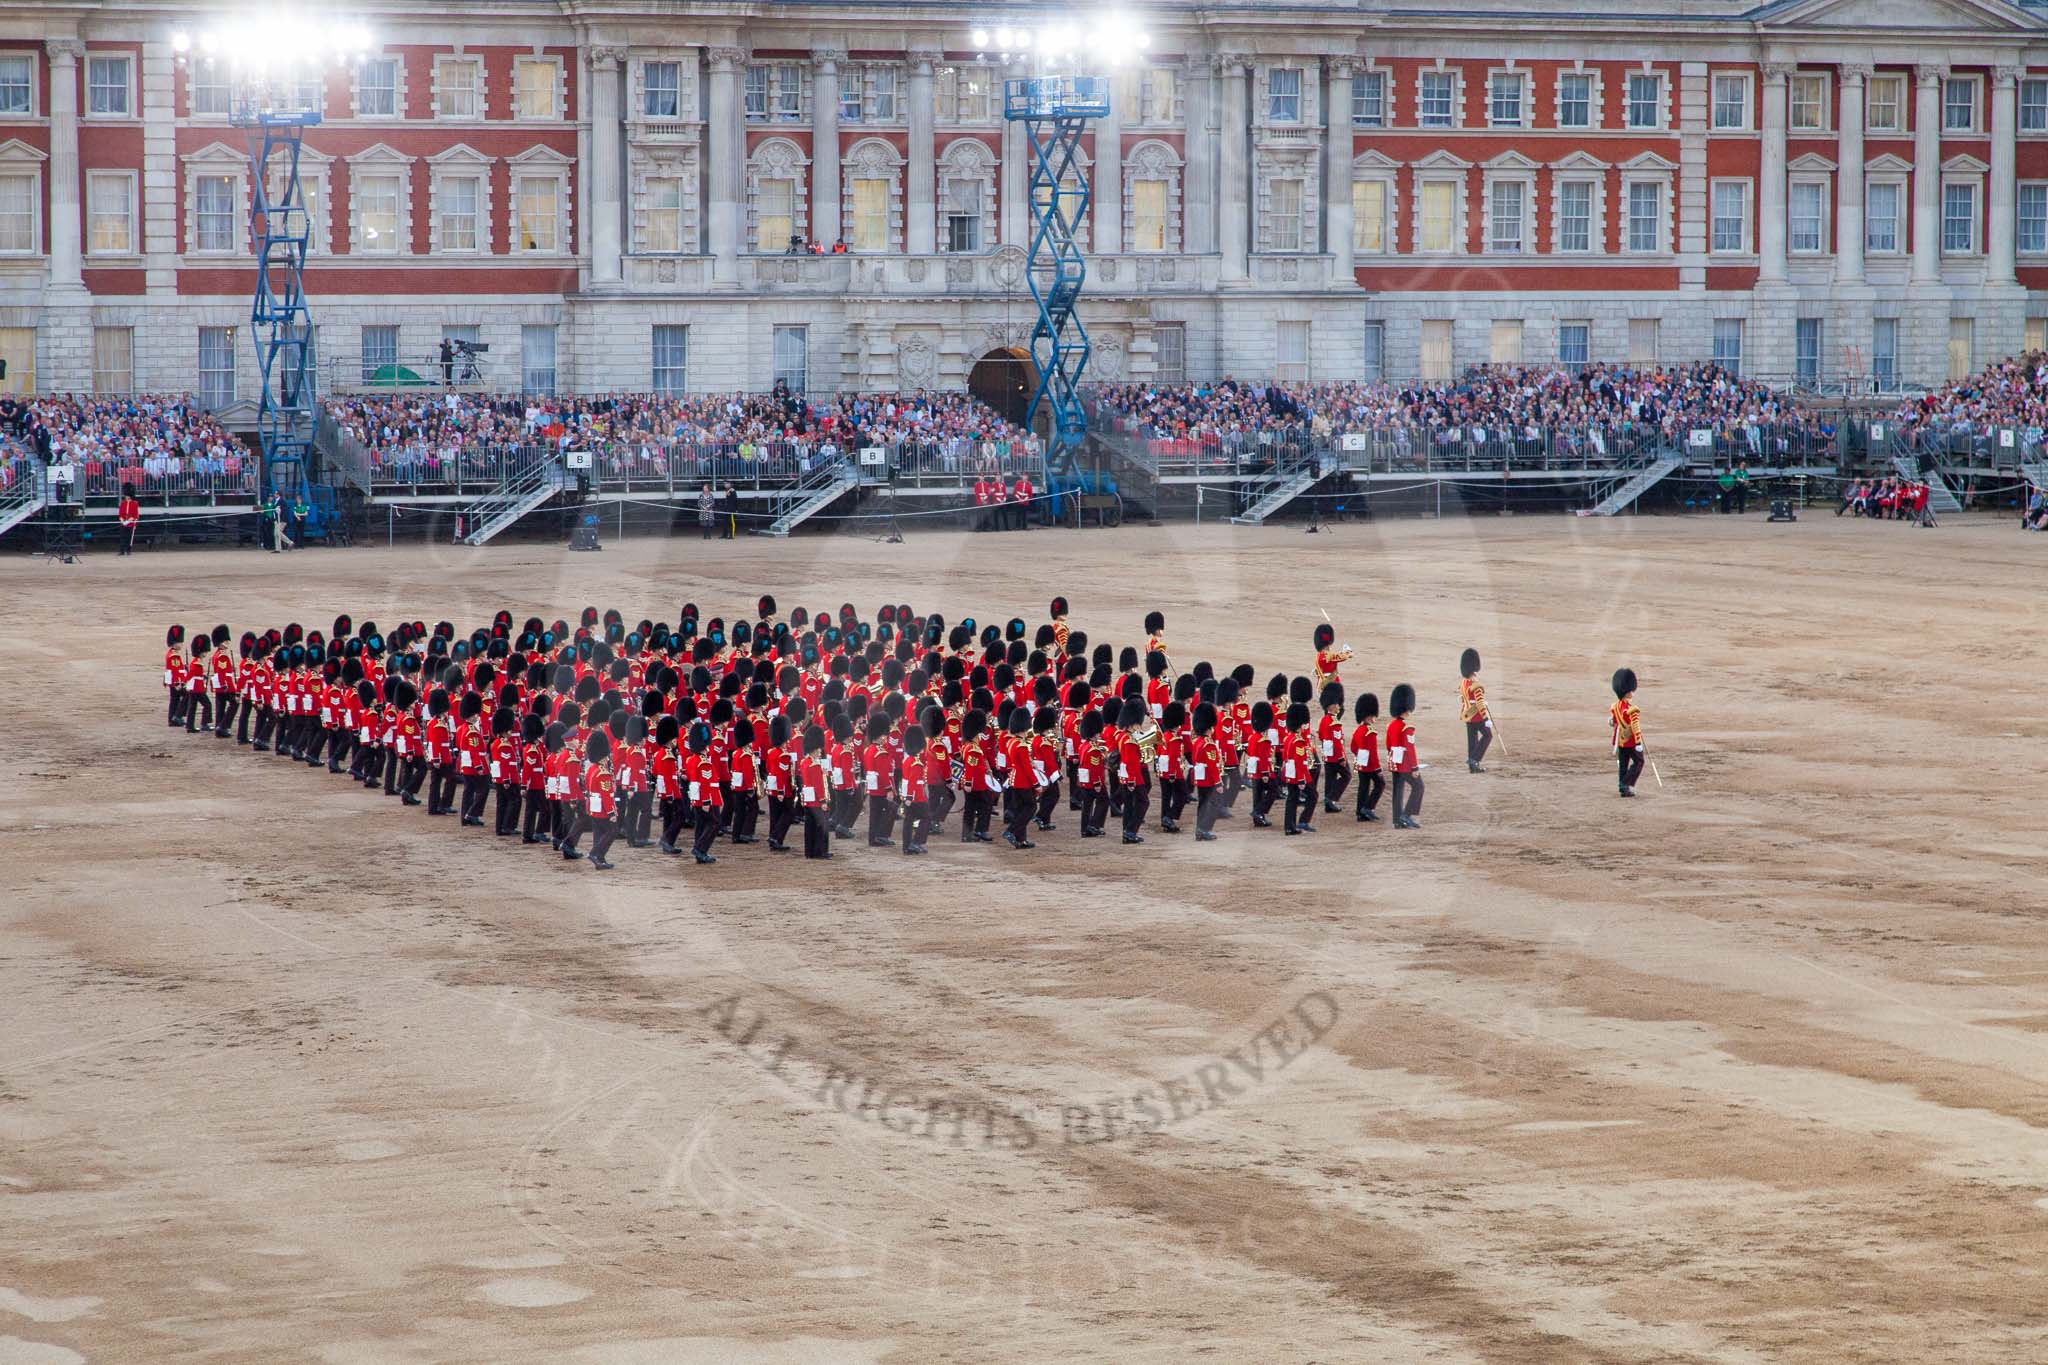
x=154, y=444
x=1966, y=416
x=424, y=438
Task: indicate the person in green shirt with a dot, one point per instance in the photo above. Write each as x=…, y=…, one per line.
x=1726, y=481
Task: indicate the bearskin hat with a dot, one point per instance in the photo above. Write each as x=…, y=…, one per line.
x=1297, y=715
x=1332, y=695
x=1185, y=687
x=221, y=635
x=886, y=616
x=484, y=677
x=1044, y=690
x=555, y=737
x=174, y=637
x=460, y=651
x=1326, y=635
x=247, y=645
x=1127, y=660
x=1204, y=718
x=531, y=728
x=1155, y=664
x=1132, y=715
x=1045, y=720
x=404, y=695
x=1015, y=629
x=743, y=733
x=1301, y=691
x=503, y=721
x=814, y=739
x=1624, y=681
x=1155, y=621
x=437, y=702
x=1276, y=687
x=721, y=711
x=1075, y=668
x=778, y=730
x=1058, y=608
x=202, y=644
x=444, y=630
x=471, y=707
x=1402, y=701
x=1091, y=724
x=1099, y=676
x=742, y=633
x=1468, y=663
x=699, y=738
x=352, y=672
x=1262, y=715
x=1044, y=638
x=973, y=723
x=342, y=626
x=1173, y=715
x=1003, y=678
x=990, y=636
x=877, y=726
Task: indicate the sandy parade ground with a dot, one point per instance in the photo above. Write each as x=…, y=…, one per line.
x=1750, y=1069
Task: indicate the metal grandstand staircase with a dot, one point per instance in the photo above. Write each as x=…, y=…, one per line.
x=818, y=490
x=1283, y=488
x=25, y=499
x=1939, y=498
x=1637, y=484
x=1056, y=111
x=504, y=506
x=2036, y=472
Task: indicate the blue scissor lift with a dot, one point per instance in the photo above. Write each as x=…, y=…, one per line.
x=1055, y=112
x=279, y=225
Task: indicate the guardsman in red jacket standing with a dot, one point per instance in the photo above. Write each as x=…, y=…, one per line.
x=505, y=769
x=1627, y=724
x=174, y=675
x=981, y=502
x=700, y=785
x=813, y=792
x=915, y=790
x=1331, y=748
x=533, y=775
x=1365, y=756
x=130, y=514
x=1021, y=795
x=1045, y=762
x=438, y=752
x=1205, y=770
x=1472, y=710
x=1404, y=760
x=600, y=804
x=878, y=774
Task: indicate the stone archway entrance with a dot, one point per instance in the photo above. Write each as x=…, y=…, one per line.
x=1004, y=379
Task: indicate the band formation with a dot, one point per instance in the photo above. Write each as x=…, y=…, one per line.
x=654, y=732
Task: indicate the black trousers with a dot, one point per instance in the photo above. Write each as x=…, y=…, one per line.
x=1137, y=801
x=1371, y=786
x=914, y=816
x=1208, y=802
x=536, y=807
x=1478, y=737
x=843, y=807
x=316, y=737
x=197, y=703
x=672, y=808
x=1173, y=798
x=781, y=815
x=707, y=828
x=1023, y=806
x=338, y=748
x=415, y=776
x=1336, y=780
x=639, y=821
x=1048, y=800
x=562, y=816
x=508, y=808
x=1301, y=804
x=176, y=714
x=1407, y=795
x=224, y=714
x=1233, y=783
x=746, y=813
x=603, y=830
x=881, y=819
x=1073, y=787
x=1629, y=765
x=941, y=806
x=817, y=839
x=476, y=789
x=440, y=790
x=578, y=822
x=1264, y=791
x=265, y=719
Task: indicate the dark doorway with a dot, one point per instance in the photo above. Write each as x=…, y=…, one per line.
x=1003, y=379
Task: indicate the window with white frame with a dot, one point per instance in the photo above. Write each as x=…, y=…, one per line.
x=216, y=366
x=1806, y=350
x=1959, y=218
x=774, y=213
x=1283, y=94
x=663, y=227
x=671, y=358
x=1806, y=217
x=1884, y=104
x=210, y=89
x=775, y=91
x=17, y=83
x=1575, y=216
x=966, y=95
x=1369, y=99
x=456, y=83
x=1731, y=101
x=107, y=93
x=1283, y=215
x=882, y=107
x=113, y=359
x=376, y=199
x=790, y=79
x=754, y=93
x=1507, y=216
x=2031, y=233
x=1505, y=98
x=1437, y=207
x=1884, y=352
x=1881, y=201
x=1959, y=104
x=1504, y=344
x=536, y=89
x=377, y=88
x=1727, y=344
x=537, y=358
x=1373, y=359
x=792, y=353
x=310, y=92
x=379, y=351
x=1807, y=100
x=1170, y=352
x=850, y=101
x=1730, y=232
x=2034, y=106
x=1148, y=215
x=1645, y=215
x=1645, y=99
x=1438, y=350
x=110, y=213
x=1575, y=99
x=661, y=90
x=1290, y=349
x=870, y=195
x=1643, y=339
x=1436, y=99
x=1574, y=343
x=20, y=205
x=1372, y=203
x=216, y=214
x=1159, y=95
x=537, y=202
x=458, y=212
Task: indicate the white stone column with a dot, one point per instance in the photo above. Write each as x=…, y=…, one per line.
x=825, y=211
x=1337, y=225
x=1016, y=179
x=1927, y=174
x=921, y=190
x=1233, y=190
x=65, y=231
x=1198, y=161
x=723, y=137
x=1107, y=189
x=606, y=209
x=1771, y=178
x=1849, y=178
x=2004, y=189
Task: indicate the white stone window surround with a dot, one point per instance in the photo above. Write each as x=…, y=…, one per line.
x=1152, y=160
x=90, y=209
x=1665, y=94
x=1509, y=168
x=131, y=110
x=1811, y=169
x=1440, y=167
x=355, y=89
x=1579, y=168
x=375, y=160
x=459, y=161
x=215, y=158
x=447, y=77
x=1457, y=75
x=687, y=110
x=1961, y=169
x=316, y=178
x=663, y=162
x=1596, y=112
x=1826, y=107
x=1649, y=168
x=969, y=161
x=1747, y=246
x=1897, y=172
x=1525, y=104
x=18, y=158
x=34, y=59
x=1311, y=94
x=872, y=158
x=777, y=158
x=1370, y=166
x=1748, y=120
x=527, y=59
x=1304, y=164
x=543, y=163
x=1370, y=67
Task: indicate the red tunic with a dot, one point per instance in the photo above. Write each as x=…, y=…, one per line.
x=1365, y=748
x=598, y=785
x=1401, y=746
x=1205, y=760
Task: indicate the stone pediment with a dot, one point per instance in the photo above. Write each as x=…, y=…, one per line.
x=1931, y=16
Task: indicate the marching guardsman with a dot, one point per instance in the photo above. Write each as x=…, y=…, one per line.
x=977, y=777
x=1297, y=769
x=248, y=683
x=504, y=764
x=666, y=770
x=1158, y=687
x=411, y=747
x=196, y=699
x=1205, y=771
x=742, y=780
x=1365, y=756
x=1331, y=748
x=814, y=789
x=1020, y=795
x=1472, y=710
x=1258, y=762
x=629, y=776
x=1045, y=762
x=600, y=806
x=778, y=780
x=1155, y=633
x=914, y=787
x=877, y=765
x=470, y=747
x=174, y=675
x=1060, y=633
x=1135, y=753
x=439, y=752
x=1403, y=759
x=841, y=757
x=533, y=775
x=1627, y=725
x=1328, y=656
x=1091, y=775
x=700, y=783
x=225, y=684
